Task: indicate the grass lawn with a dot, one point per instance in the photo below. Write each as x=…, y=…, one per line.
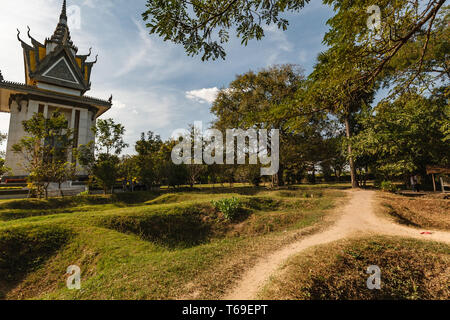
x=410, y=269
x=423, y=212
x=149, y=245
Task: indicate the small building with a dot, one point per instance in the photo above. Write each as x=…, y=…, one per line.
x=56, y=78
x=443, y=172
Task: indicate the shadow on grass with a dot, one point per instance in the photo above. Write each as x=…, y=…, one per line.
x=176, y=227
x=399, y=218
x=23, y=250
x=173, y=227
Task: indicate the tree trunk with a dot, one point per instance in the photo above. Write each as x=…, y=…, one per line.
x=313, y=177
x=348, y=131
x=280, y=176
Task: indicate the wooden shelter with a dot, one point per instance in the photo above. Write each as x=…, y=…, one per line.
x=433, y=170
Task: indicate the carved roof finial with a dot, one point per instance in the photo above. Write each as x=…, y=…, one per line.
x=63, y=15
x=1, y=76
x=110, y=99
x=62, y=33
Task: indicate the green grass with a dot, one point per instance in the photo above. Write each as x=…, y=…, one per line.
x=146, y=245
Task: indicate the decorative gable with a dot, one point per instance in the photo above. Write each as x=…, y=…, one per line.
x=61, y=71
x=56, y=61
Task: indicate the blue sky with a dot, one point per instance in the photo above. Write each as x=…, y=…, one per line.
x=155, y=85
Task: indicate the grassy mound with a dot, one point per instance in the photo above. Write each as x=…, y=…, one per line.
x=131, y=247
x=24, y=249
x=25, y=208
x=410, y=269
x=171, y=226
x=418, y=212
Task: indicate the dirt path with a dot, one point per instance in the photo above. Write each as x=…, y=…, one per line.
x=358, y=218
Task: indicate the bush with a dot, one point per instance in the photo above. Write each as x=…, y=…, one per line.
x=388, y=186
x=229, y=207
x=83, y=194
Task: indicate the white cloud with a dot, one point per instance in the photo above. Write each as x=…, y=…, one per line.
x=303, y=56
x=280, y=37
x=203, y=95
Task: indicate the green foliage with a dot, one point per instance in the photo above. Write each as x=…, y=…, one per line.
x=106, y=171
x=105, y=166
x=202, y=26
x=388, y=186
x=109, y=136
x=399, y=49
x=83, y=194
x=229, y=207
x=46, y=150
x=406, y=135
x=274, y=98
x=149, y=154
x=3, y=169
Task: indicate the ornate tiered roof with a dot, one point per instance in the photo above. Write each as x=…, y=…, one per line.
x=54, y=72
x=56, y=61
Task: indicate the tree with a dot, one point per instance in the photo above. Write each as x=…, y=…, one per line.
x=405, y=136
x=45, y=150
x=129, y=171
x=258, y=101
x=335, y=86
x=169, y=173
x=402, y=22
x=422, y=69
x=109, y=137
x=148, y=148
x=202, y=26
x=3, y=169
x=106, y=171
x=104, y=164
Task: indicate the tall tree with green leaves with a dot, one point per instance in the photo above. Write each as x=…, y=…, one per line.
x=406, y=135
x=203, y=26
x=45, y=150
x=383, y=35
x=109, y=137
x=364, y=54
x=263, y=100
x=333, y=86
x=148, y=148
x=104, y=164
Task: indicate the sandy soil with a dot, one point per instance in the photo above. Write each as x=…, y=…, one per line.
x=358, y=218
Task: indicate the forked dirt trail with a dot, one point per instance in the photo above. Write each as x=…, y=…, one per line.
x=358, y=218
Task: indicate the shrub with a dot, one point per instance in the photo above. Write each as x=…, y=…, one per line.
x=229, y=207
x=388, y=186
